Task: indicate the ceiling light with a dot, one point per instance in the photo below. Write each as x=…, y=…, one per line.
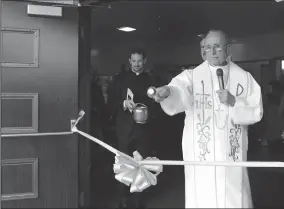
x=126, y=29
x=278, y=0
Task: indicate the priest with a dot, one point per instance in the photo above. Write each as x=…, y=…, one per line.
x=128, y=89
x=220, y=100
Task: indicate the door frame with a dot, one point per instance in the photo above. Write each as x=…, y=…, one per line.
x=84, y=102
x=1, y=50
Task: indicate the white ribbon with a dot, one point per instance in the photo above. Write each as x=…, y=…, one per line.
x=135, y=166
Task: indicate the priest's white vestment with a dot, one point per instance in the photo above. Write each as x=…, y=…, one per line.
x=215, y=132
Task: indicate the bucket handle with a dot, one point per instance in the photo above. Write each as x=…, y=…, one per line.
x=140, y=104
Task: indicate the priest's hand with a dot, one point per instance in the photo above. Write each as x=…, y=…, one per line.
x=128, y=104
x=226, y=97
x=161, y=93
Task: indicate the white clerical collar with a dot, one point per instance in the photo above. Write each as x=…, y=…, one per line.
x=136, y=73
x=225, y=68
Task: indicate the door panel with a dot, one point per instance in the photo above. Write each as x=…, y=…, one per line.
x=39, y=94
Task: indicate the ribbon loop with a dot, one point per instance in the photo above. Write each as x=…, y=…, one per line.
x=130, y=172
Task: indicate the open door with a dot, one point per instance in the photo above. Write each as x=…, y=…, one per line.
x=39, y=94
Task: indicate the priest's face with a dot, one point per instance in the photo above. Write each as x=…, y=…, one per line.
x=215, y=48
x=137, y=62
x=203, y=55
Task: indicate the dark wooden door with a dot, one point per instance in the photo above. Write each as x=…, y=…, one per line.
x=39, y=94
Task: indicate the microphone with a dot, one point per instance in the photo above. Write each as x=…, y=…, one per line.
x=219, y=73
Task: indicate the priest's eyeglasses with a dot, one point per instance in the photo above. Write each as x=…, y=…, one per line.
x=216, y=47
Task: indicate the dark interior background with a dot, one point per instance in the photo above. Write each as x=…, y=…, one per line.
x=169, y=30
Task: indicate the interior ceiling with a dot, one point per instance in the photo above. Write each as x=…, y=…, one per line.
x=180, y=20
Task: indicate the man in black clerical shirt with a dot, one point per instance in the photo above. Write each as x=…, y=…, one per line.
x=132, y=136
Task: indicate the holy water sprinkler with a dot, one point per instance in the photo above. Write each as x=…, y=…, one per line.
x=151, y=92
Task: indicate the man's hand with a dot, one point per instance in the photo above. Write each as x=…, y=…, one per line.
x=129, y=104
x=161, y=93
x=226, y=97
